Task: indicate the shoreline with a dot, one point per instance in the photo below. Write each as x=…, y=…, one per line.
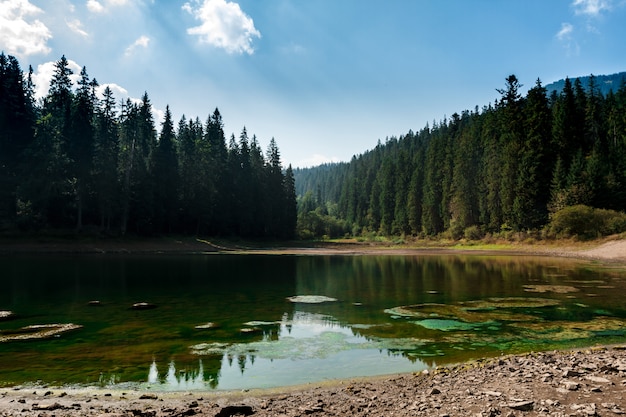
x=607, y=249
x=578, y=382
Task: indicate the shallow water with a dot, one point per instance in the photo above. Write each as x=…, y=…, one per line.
x=234, y=321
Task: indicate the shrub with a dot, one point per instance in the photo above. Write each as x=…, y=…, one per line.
x=473, y=233
x=586, y=222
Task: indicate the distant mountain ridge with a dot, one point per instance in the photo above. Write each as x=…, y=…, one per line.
x=605, y=83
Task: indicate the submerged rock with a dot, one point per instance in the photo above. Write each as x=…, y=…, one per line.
x=207, y=326
x=143, y=306
x=38, y=331
x=250, y=330
x=311, y=299
x=7, y=315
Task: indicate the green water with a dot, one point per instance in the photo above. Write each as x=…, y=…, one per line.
x=373, y=315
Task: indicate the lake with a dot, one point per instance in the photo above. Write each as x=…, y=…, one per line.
x=226, y=321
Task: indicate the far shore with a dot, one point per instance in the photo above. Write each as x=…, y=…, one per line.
x=612, y=249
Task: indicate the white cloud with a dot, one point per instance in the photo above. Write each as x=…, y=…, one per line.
x=223, y=25
x=141, y=42
x=565, y=36
x=43, y=75
x=119, y=92
x=565, y=32
x=95, y=6
x=76, y=26
x=591, y=7
x=20, y=35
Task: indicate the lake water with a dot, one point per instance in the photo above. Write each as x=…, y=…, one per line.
x=225, y=321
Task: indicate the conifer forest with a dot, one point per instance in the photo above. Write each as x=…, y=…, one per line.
x=521, y=164
x=77, y=161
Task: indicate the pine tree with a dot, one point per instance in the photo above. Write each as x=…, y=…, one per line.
x=534, y=169
x=290, y=210
x=17, y=117
x=80, y=142
x=164, y=173
x=275, y=192
x=106, y=153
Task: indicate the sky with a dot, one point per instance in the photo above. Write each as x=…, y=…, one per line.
x=327, y=79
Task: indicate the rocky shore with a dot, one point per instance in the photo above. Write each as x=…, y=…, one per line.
x=586, y=382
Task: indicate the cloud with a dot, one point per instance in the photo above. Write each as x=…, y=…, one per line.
x=591, y=8
x=141, y=42
x=223, y=25
x=77, y=27
x=95, y=6
x=119, y=92
x=565, y=36
x=566, y=31
x=20, y=35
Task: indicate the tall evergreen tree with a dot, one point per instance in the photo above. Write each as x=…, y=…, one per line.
x=105, y=161
x=80, y=142
x=534, y=166
x=164, y=170
x=290, y=211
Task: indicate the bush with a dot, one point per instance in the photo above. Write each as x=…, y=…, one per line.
x=586, y=222
x=473, y=233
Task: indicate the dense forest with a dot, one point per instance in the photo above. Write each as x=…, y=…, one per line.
x=77, y=161
x=514, y=166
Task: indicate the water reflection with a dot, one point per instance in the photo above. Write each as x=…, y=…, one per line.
x=287, y=342
x=301, y=347
x=182, y=380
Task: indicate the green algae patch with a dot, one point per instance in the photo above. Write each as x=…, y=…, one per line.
x=508, y=302
x=557, y=289
x=425, y=310
x=453, y=325
x=484, y=313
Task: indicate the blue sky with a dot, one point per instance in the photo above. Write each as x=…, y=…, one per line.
x=326, y=78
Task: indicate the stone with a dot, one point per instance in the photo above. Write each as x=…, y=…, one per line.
x=568, y=373
x=233, y=410
x=48, y=407
x=597, y=379
x=571, y=385
x=522, y=405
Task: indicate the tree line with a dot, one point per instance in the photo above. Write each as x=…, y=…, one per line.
x=511, y=166
x=74, y=160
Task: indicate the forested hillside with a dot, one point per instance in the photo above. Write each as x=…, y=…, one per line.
x=510, y=166
x=76, y=161
x=604, y=83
